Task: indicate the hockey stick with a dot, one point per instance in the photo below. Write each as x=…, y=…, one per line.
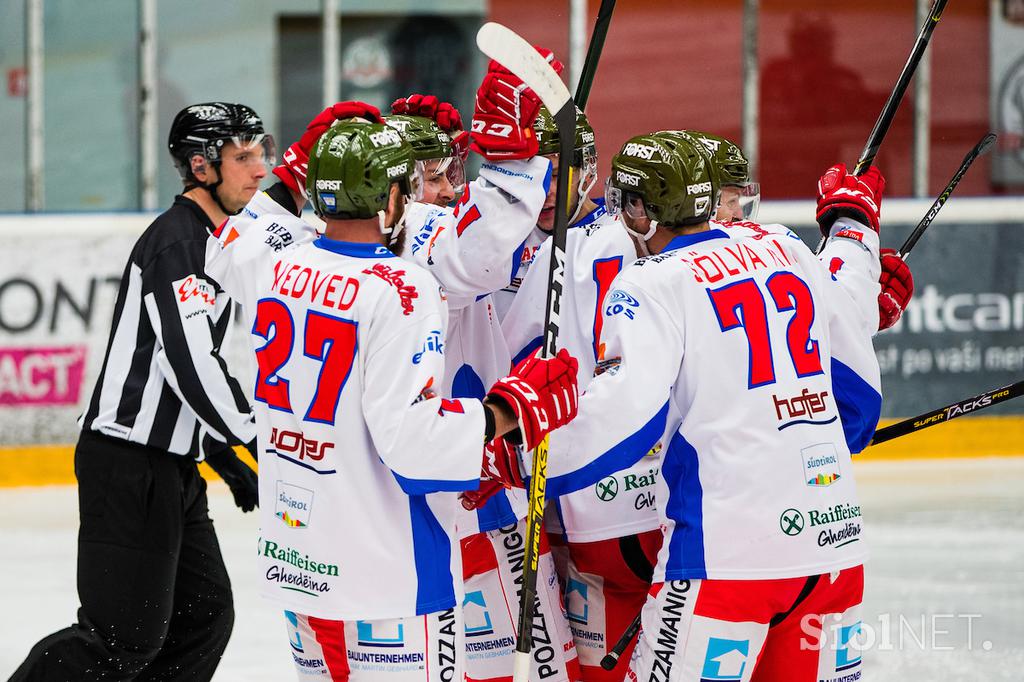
x=518, y=56
x=867, y=156
x=944, y=414
x=978, y=150
x=612, y=657
x=604, y=19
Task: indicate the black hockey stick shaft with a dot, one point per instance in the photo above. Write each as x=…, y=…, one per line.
x=896, y=96
x=892, y=104
x=948, y=412
x=604, y=19
x=979, y=149
x=565, y=121
x=612, y=657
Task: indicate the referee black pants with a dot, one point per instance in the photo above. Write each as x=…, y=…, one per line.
x=155, y=595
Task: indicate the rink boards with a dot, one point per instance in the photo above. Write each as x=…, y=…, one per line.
x=963, y=334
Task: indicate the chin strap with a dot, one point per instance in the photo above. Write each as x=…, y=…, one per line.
x=640, y=237
x=580, y=195
x=392, y=234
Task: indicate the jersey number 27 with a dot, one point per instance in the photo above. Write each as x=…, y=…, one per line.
x=325, y=338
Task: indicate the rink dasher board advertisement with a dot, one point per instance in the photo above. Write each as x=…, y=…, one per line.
x=963, y=333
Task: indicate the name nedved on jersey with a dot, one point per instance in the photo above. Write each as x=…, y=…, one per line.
x=326, y=288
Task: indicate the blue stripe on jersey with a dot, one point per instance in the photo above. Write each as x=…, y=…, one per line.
x=432, y=552
x=530, y=347
x=625, y=454
x=599, y=210
x=681, y=473
x=354, y=249
x=695, y=238
x=859, y=404
x=497, y=512
x=467, y=384
x=425, y=486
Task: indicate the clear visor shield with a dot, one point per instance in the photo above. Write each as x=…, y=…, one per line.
x=250, y=150
x=617, y=202
x=439, y=180
x=739, y=203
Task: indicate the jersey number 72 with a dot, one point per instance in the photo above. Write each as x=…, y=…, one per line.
x=742, y=304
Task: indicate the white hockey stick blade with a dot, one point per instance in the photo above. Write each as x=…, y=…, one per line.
x=509, y=49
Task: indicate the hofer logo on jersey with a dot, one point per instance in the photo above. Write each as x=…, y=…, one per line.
x=294, y=447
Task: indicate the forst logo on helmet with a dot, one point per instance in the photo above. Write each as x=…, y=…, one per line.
x=399, y=170
x=627, y=179
x=698, y=188
x=328, y=184
x=640, y=151
x=383, y=138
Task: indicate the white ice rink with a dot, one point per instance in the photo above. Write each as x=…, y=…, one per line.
x=945, y=585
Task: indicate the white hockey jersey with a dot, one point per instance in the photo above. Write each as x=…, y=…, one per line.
x=753, y=342
x=360, y=457
x=473, y=249
x=596, y=251
x=525, y=256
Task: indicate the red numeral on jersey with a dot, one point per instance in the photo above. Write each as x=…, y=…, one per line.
x=604, y=272
x=742, y=304
x=789, y=292
x=273, y=323
x=331, y=340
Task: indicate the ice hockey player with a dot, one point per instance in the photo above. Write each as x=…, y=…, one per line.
x=492, y=533
x=776, y=383
x=582, y=209
x=611, y=531
x=155, y=594
x=738, y=203
x=362, y=456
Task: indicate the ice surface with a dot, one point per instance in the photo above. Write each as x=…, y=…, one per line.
x=946, y=536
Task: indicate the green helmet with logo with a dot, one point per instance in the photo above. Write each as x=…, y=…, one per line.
x=352, y=167
x=671, y=172
x=584, y=148
x=425, y=137
x=733, y=167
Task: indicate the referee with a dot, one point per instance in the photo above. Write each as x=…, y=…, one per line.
x=155, y=596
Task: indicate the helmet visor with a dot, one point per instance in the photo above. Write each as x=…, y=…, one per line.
x=439, y=181
x=617, y=202
x=250, y=150
x=738, y=203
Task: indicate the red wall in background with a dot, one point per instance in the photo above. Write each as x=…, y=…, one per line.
x=826, y=71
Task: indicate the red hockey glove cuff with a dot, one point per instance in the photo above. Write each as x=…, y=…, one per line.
x=841, y=194
x=504, y=114
x=542, y=393
x=294, y=161
x=897, y=289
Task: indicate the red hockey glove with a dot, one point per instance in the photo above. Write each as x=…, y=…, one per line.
x=504, y=114
x=444, y=114
x=897, y=289
x=500, y=470
x=460, y=145
x=542, y=393
x=474, y=499
x=292, y=170
x=841, y=194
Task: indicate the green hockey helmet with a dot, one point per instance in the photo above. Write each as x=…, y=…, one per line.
x=430, y=143
x=734, y=171
x=666, y=176
x=584, y=147
x=352, y=167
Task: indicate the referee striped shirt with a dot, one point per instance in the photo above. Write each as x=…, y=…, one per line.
x=163, y=379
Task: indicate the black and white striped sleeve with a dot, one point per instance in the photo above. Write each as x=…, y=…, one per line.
x=188, y=319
